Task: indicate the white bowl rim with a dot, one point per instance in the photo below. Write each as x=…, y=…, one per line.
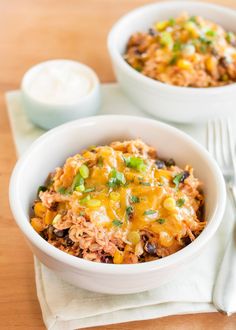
x=152, y=83
x=23, y=220
x=59, y=106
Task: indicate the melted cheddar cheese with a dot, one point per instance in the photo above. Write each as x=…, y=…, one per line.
x=120, y=204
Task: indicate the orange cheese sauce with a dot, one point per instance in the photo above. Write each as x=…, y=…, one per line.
x=120, y=191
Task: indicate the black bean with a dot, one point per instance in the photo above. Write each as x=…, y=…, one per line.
x=214, y=52
x=150, y=248
x=106, y=259
x=170, y=162
x=54, y=206
x=60, y=233
x=69, y=242
x=224, y=62
x=137, y=51
x=152, y=32
x=144, y=238
x=185, y=175
x=160, y=164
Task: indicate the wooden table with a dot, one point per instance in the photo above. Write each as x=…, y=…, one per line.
x=32, y=31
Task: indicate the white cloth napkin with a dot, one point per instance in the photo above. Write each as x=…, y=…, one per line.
x=65, y=307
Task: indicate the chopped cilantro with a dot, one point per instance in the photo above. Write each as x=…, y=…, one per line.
x=129, y=210
x=161, y=221
x=145, y=183
x=117, y=223
x=100, y=162
x=173, y=60
x=41, y=188
x=149, y=212
x=116, y=179
x=178, y=178
x=193, y=19
x=180, y=202
x=177, y=46
x=135, y=199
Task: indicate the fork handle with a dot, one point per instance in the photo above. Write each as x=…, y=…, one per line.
x=232, y=189
x=224, y=297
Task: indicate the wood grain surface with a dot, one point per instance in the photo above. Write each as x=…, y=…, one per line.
x=32, y=31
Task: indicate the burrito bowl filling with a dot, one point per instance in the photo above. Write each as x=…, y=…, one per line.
x=119, y=204
x=185, y=51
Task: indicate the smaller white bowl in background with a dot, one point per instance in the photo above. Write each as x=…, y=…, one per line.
x=51, y=112
x=171, y=103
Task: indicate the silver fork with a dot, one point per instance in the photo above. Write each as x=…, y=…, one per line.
x=221, y=145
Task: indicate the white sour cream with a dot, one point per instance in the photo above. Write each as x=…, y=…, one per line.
x=59, y=82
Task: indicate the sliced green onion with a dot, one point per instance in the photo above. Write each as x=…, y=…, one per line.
x=85, y=199
x=211, y=33
x=136, y=163
x=62, y=190
x=78, y=180
x=94, y=202
x=80, y=188
x=166, y=39
x=89, y=189
x=84, y=171
x=172, y=21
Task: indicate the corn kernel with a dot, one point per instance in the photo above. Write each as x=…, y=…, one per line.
x=211, y=63
x=49, y=217
x=39, y=209
x=115, y=196
x=169, y=204
x=165, y=239
x=118, y=257
x=133, y=237
x=37, y=224
x=192, y=29
x=184, y=64
x=56, y=219
x=160, y=26
x=128, y=248
x=94, y=203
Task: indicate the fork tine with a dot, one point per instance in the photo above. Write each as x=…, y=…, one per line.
x=218, y=143
x=231, y=145
x=224, y=141
x=210, y=138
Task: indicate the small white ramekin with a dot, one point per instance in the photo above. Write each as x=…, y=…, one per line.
x=171, y=103
x=54, y=147
x=48, y=115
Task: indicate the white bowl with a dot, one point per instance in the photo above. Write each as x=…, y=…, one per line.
x=171, y=103
x=47, y=114
x=51, y=150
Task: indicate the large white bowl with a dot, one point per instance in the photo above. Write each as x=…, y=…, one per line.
x=51, y=150
x=172, y=103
